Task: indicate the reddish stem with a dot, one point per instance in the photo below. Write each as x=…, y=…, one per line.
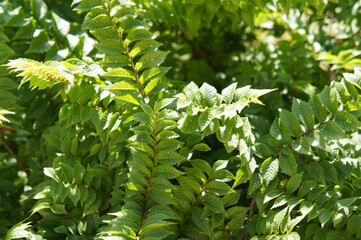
x=6, y=145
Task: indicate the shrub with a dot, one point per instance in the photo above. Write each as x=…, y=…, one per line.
x=109, y=148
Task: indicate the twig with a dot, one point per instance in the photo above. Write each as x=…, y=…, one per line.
x=228, y=235
x=149, y=185
x=289, y=145
x=249, y=216
x=6, y=145
x=194, y=204
x=91, y=188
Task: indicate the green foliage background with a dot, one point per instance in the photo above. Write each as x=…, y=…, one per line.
x=180, y=119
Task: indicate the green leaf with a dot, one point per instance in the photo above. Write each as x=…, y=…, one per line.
x=144, y=46
x=7, y=84
x=272, y=195
x=316, y=139
x=255, y=183
x=304, y=112
x=165, y=125
x=39, y=44
x=209, y=94
x=79, y=172
x=127, y=99
x=167, y=172
x=189, y=124
x=291, y=122
x=200, y=221
x=353, y=79
x=213, y=203
x=228, y=93
x=105, y=34
x=67, y=171
x=130, y=23
x=75, y=195
x=279, y=131
x=205, y=119
x=189, y=184
x=153, y=73
x=85, y=114
x=39, y=8
x=269, y=170
x=294, y=182
x=86, y=5
x=25, y=32
x=137, y=34
x=341, y=204
x=154, y=233
x=143, y=117
x=277, y=220
x=315, y=170
x=302, y=146
x=201, y=147
x=162, y=183
x=328, y=97
x=334, y=235
x=58, y=209
x=219, y=188
x=138, y=146
x=118, y=87
x=163, y=103
x=6, y=96
x=50, y=172
x=61, y=26
x=306, y=187
x=325, y=216
x=39, y=206
x=347, y=121
x=318, y=110
x=192, y=92
x=353, y=224
x=95, y=149
x=167, y=134
x=332, y=130
x=125, y=11
x=151, y=59
x=97, y=20
x=161, y=196
x=110, y=46
x=3, y=37
x=56, y=189
x=201, y=165
x=287, y=162
x=116, y=60
x=169, y=157
x=152, y=85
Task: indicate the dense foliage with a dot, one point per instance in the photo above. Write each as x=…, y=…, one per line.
x=202, y=119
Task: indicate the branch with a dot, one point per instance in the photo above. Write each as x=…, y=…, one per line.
x=6, y=145
x=289, y=145
x=194, y=204
x=89, y=188
x=228, y=235
x=149, y=185
x=249, y=216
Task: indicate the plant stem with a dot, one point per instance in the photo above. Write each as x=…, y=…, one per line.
x=6, y=145
x=249, y=216
x=194, y=204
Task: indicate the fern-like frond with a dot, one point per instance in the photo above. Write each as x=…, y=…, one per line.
x=42, y=75
x=129, y=48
